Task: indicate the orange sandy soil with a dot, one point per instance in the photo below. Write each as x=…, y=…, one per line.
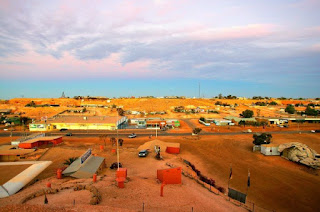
x=276, y=184
x=142, y=186
x=7, y=140
x=8, y=172
x=147, y=105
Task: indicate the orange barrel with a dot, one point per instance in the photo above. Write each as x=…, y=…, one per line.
x=59, y=174
x=113, y=150
x=95, y=178
x=101, y=147
x=48, y=185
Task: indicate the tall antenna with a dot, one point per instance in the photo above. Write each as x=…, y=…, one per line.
x=63, y=95
x=199, y=90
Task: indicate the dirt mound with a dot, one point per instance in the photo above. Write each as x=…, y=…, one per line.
x=163, y=145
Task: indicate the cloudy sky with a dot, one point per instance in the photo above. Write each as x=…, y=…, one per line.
x=160, y=47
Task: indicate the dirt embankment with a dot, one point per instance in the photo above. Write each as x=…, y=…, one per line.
x=148, y=105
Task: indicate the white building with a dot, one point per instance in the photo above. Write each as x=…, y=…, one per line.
x=270, y=149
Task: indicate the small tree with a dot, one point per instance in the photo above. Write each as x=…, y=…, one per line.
x=247, y=113
x=273, y=103
x=218, y=103
x=113, y=141
x=264, y=138
x=30, y=104
x=311, y=112
x=103, y=138
x=290, y=109
x=121, y=112
x=120, y=141
x=197, y=132
x=242, y=122
x=70, y=160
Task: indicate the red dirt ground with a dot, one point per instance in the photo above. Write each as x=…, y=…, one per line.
x=8, y=172
x=276, y=184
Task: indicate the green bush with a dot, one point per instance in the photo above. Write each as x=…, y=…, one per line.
x=290, y=109
x=247, y=113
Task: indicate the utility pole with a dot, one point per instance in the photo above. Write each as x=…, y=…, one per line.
x=199, y=90
x=117, y=142
x=156, y=130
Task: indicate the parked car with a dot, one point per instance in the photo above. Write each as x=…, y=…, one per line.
x=247, y=131
x=143, y=153
x=63, y=129
x=132, y=135
x=115, y=165
x=317, y=131
x=69, y=134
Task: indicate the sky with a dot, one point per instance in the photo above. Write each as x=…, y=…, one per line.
x=160, y=48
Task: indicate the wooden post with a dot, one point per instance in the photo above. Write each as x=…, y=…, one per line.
x=161, y=190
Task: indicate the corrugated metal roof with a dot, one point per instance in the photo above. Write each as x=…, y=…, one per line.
x=47, y=138
x=7, y=150
x=85, y=170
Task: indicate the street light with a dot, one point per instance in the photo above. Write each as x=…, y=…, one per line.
x=156, y=130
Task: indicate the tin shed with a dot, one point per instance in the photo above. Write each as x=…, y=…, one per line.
x=270, y=149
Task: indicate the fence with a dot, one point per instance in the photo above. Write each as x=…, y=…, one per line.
x=250, y=206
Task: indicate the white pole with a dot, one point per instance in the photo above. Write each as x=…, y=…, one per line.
x=156, y=130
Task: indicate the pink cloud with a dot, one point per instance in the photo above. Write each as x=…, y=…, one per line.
x=237, y=32
x=45, y=67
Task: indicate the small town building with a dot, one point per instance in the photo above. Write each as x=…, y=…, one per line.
x=270, y=149
x=9, y=153
x=25, y=138
x=79, y=123
x=141, y=122
x=36, y=142
x=155, y=124
x=237, y=119
x=219, y=122
x=5, y=111
x=173, y=123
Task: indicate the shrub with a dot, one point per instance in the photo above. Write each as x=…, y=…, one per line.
x=247, y=113
x=264, y=138
x=70, y=160
x=311, y=112
x=221, y=189
x=290, y=109
x=196, y=130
